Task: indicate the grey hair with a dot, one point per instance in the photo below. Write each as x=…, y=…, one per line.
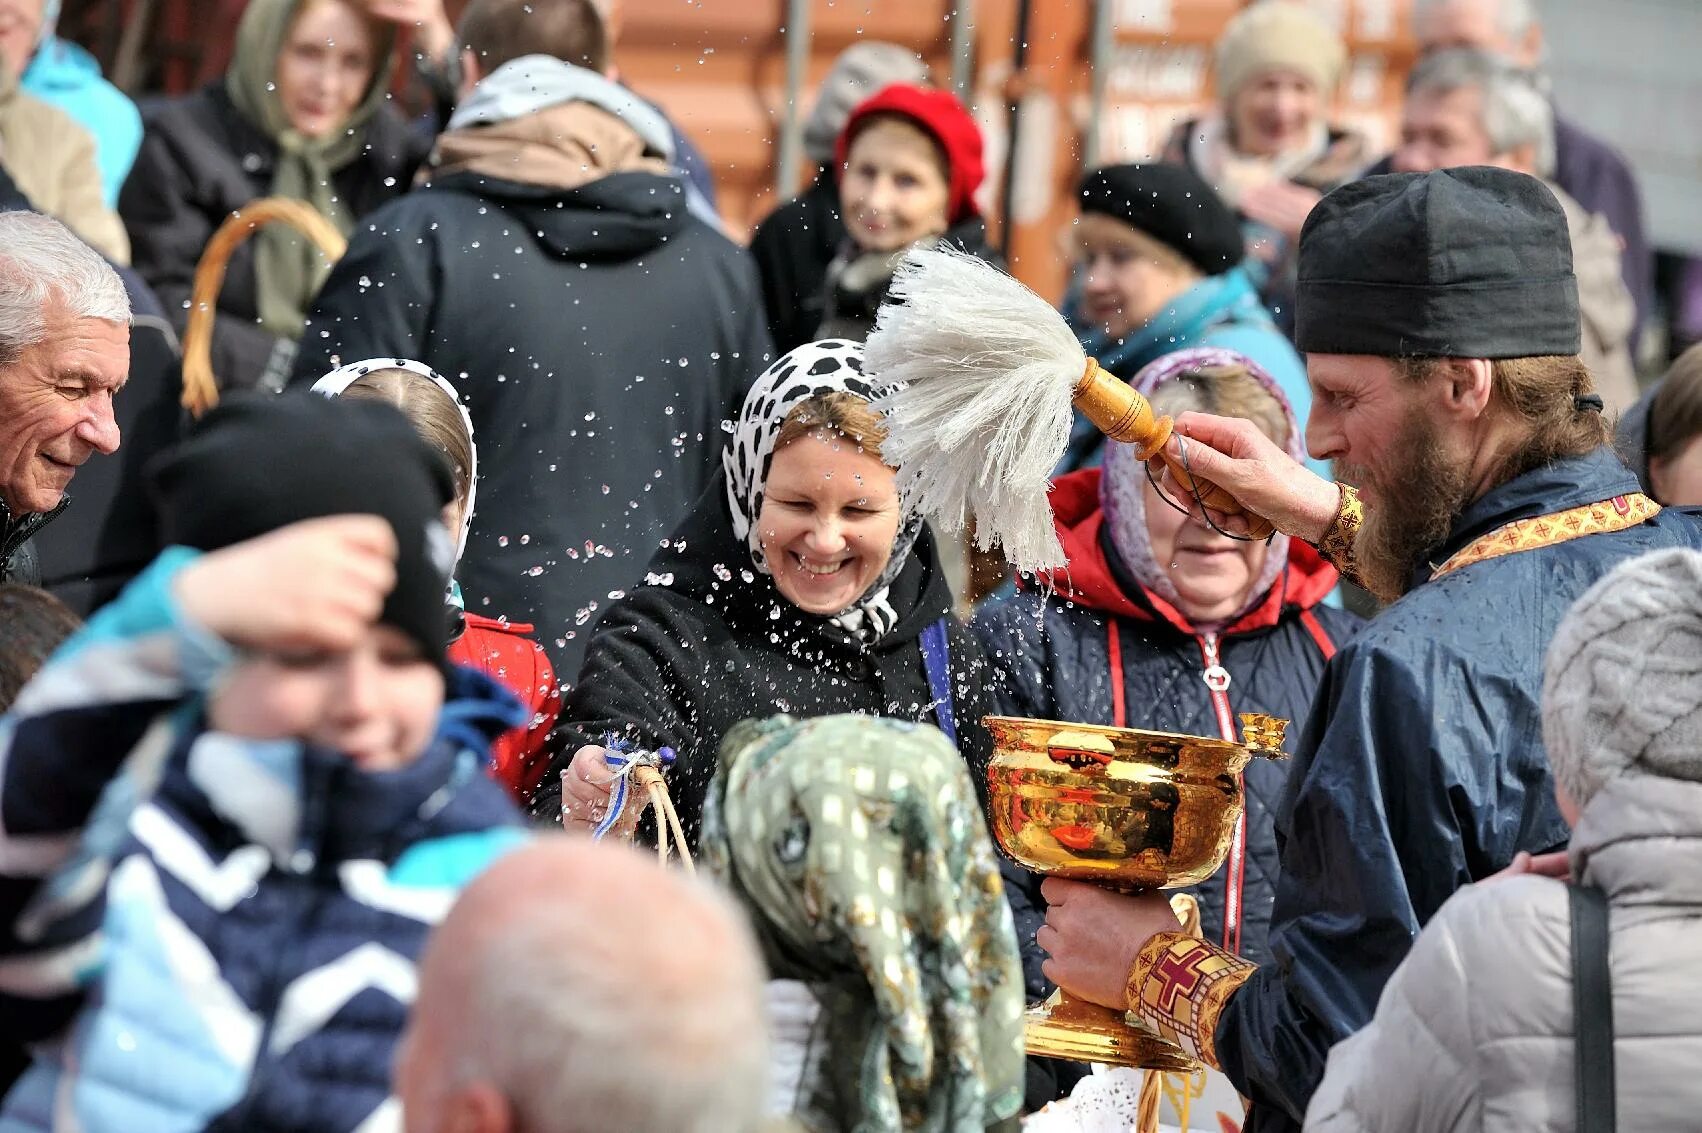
x=43, y=263
x=1515, y=16
x=1515, y=111
x=568, y=1020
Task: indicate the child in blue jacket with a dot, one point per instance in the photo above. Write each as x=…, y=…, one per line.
x=233, y=806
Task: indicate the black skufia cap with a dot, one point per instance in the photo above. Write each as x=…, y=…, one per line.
x=259, y=462
x=1474, y=262
x=1173, y=206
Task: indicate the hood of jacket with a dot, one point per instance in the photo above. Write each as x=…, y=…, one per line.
x=1230, y=297
x=579, y=161
x=1640, y=839
x=617, y=217
x=523, y=87
x=706, y=564
x=287, y=796
x=1096, y=580
x=1631, y=436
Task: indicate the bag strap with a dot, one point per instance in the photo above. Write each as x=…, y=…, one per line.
x=1592, y=1010
x=936, y=662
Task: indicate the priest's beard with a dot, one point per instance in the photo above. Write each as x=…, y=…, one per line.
x=1419, y=491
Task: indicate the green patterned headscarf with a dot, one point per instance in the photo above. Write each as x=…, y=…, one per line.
x=858, y=847
x=288, y=269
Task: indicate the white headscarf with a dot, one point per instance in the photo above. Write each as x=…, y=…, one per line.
x=833, y=365
x=340, y=379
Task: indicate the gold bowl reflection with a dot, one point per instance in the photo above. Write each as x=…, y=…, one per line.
x=1127, y=809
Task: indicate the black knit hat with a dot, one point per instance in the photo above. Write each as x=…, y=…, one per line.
x=1173, y=206
x=260, y=462
x=1472, y=262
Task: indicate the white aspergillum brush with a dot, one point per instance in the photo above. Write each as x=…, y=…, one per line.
x=979, y=377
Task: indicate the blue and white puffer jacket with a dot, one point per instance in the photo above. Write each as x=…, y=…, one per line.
x=205, y=932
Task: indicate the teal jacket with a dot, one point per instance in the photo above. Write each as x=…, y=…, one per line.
x=1220, y=310
x=68, y=77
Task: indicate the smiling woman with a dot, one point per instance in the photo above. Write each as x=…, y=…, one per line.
x=802, y=583
x=301, y=113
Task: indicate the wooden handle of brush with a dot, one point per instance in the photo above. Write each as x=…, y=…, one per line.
x=1120, y=412
x=1124, y=415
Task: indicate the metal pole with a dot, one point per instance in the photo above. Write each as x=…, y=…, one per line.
x=1104, y=38
x=962, y=48
x=1013, y=128
x=797, y=62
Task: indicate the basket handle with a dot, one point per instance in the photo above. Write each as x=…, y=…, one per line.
x=200, y=386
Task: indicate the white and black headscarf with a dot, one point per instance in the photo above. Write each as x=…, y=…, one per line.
x=833, y=365
x=335, y=383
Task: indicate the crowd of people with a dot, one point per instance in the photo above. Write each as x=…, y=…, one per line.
x=324, y=713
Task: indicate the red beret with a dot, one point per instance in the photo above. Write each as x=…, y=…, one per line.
x=940, y=115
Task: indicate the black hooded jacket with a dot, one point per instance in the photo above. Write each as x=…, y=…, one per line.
x=707, y=642
x=599, y=337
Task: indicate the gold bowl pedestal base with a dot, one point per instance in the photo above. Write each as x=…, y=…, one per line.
x=1065, y=1027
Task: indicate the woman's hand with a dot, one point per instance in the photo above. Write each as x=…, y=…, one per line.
x=1235, y=455
x=318, y=584
x=434, y=35
x=586, y=788
x=1556, y=865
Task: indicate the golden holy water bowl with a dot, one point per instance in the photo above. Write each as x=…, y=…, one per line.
x=1127, y=809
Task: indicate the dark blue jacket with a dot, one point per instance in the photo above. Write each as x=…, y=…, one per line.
x=231, y=923
x=1421, y=769
x=1052, y=658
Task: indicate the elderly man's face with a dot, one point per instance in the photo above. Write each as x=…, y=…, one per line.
x=20, y=28
x=56, y=408
x=1442, y=130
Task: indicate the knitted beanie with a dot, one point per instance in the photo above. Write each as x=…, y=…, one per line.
x=1171, y=204
x=259, y=462
x=1278, y=35
x=861, y=70
x=1621, y=694
x=942, y=117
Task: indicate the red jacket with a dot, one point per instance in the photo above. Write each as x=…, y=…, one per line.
x=503, y=652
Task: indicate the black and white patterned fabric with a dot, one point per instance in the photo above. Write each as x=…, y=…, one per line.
x=337, y=381
x=833, y=365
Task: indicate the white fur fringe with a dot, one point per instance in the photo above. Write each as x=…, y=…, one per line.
x=977, y=373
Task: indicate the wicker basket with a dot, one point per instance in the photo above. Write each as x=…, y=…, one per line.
x=200, y=386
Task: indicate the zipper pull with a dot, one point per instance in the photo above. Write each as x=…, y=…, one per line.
x=1216, y=676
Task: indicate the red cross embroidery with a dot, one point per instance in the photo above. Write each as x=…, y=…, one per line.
x=1182, y=976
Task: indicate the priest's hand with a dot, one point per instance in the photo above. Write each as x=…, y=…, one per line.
x=1235, y=454
x=1092, y=936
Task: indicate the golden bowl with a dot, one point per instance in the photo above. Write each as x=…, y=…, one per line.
x=1125, y=808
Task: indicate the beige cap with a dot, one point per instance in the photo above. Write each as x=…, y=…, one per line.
x=1278, y=35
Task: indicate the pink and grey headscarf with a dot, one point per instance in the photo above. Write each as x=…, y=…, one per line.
x=1122, y=484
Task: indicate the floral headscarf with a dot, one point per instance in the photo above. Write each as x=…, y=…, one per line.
x=859, y=848
x=833, y=365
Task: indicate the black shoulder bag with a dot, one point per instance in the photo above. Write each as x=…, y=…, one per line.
x=1592, y=1009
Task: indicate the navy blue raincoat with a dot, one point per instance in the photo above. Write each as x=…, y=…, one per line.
x=1421, y=769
